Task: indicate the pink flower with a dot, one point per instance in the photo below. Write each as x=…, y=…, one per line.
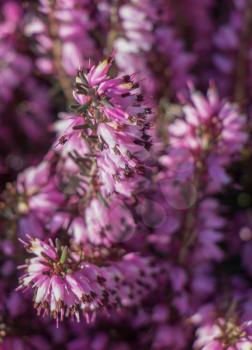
x=67, y=286
x=111, y=117
x=149, y=44
x=60, y=289
x=38, y=196
x=106, y=224
x=222, y=336
x=74, y=26
x=212, y=132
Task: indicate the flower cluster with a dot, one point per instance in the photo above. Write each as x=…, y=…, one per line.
x=108, y=138
x=63, y=29
x=114, y=114
x=148, y=32
x=125, y=168
x=212, y=131
x=26, y=123
x=66, y=284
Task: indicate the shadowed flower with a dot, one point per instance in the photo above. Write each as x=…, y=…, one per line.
x=212, y=130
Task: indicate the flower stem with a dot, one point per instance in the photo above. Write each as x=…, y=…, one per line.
x=63, y=78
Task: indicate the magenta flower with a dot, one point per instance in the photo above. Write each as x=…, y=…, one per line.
x=99, y=219
x=62, y=288
x=38, y=196
x=66, y=285
x=114, y=117
x=74, y=33
x=136, y=218
x=223, y=335
x=212, y=132
x=150, y=44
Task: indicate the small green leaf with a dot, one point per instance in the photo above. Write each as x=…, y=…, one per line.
x=64, y=255
x=79, y=127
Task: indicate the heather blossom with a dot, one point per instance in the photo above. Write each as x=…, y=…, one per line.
x=148, y=44
x=19, y=88
x=103, y=151
x=69, y=29
x=99, y=217
x=212, y=131
x=223, y=334
x=130, y=193
x=67, y=284
x=115, y=119
x=60, y=290
x=38, y=196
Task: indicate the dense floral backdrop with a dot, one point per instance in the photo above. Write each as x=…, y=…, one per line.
x=125, y=167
